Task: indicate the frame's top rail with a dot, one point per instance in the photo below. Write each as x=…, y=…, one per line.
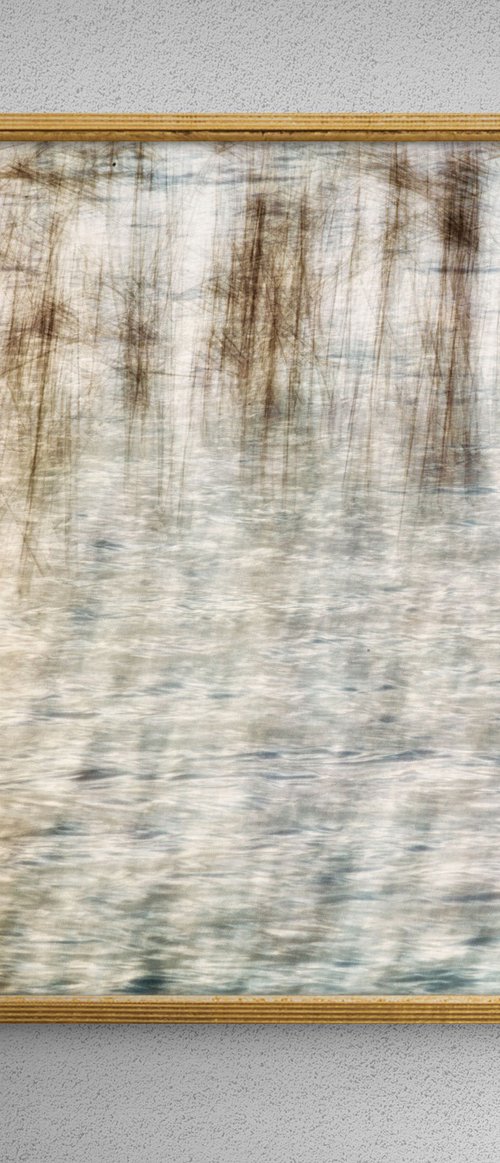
x=250, y=126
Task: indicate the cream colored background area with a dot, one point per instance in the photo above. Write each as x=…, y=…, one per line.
x=254, y=1095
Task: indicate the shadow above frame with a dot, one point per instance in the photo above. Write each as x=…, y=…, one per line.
x=389, y=127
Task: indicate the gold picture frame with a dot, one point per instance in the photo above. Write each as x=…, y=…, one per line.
x=376, y=127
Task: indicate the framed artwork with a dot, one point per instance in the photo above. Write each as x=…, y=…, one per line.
x=249, y=570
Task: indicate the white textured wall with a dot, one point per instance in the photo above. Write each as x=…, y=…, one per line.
x=254, y=1095
x=249, y=55
x=311, y=1094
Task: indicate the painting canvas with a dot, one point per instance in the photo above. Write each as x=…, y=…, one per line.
x=250, y=550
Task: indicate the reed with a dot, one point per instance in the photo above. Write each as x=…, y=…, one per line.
x=315, y=328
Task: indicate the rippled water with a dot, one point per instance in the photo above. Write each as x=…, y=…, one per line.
x=250, y=681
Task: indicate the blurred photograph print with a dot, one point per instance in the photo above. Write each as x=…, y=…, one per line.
x=249, y=568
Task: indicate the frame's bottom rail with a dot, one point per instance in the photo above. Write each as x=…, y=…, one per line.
x=256, y=1010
